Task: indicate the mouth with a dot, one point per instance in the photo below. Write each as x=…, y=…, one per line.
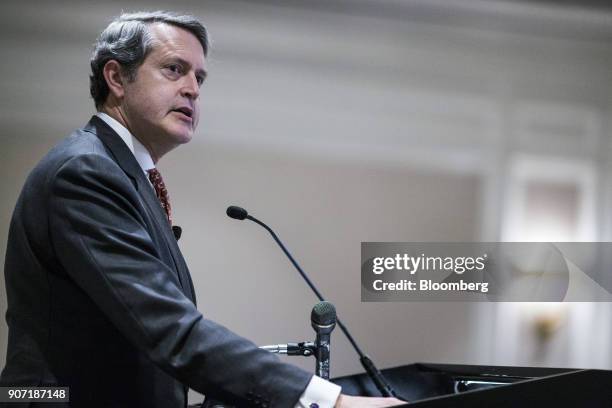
x=185, y=113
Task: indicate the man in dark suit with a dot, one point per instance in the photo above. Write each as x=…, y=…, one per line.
x=99, y=296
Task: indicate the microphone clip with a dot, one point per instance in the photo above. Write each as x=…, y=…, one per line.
x=304, y=348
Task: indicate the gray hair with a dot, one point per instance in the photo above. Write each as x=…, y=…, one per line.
x=128, y=41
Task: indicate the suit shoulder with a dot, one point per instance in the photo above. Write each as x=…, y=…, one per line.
x=78, y=143
x=78, y=148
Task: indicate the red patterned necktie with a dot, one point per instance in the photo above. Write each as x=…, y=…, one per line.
x=161, y=192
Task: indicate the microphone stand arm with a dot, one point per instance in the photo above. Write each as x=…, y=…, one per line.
x=376, y=376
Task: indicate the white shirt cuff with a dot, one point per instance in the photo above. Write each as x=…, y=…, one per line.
x=319, y=393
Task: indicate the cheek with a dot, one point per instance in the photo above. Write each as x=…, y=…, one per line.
x=157, y=109
x=149, y=106
x=153, y=113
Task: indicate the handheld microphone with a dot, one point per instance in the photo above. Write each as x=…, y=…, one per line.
x=323, y=320
x=381, y=383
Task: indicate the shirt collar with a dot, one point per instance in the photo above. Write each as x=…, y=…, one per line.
x=142, y=155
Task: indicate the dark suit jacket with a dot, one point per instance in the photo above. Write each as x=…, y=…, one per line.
x=100, y=298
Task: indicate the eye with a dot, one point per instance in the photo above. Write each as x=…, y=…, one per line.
x=175, y=68
x=200, y=79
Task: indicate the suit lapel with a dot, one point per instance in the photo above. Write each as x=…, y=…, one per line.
x=126, y=160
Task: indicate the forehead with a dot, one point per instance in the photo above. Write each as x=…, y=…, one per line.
x=171, y=42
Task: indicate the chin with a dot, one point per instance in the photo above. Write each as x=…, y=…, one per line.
x=186, y=138
x=181, y=135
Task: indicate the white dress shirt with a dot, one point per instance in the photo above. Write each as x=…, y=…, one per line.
x=319, y=392
x=142, y=155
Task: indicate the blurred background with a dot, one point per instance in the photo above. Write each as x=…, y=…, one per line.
x=342, y=121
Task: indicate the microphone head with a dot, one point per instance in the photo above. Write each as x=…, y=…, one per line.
x=323, y=314
x=178, y=231
x=237, y=213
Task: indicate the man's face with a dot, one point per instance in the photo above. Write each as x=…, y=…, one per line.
x=162, y=104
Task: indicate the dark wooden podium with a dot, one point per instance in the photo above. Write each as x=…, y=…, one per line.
x=454, y=386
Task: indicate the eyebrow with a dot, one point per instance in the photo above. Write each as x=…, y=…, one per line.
x=203, y=73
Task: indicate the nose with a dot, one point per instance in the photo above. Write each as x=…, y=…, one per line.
x=191, y=88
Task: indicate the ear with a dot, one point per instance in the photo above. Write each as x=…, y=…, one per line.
x=114, y=79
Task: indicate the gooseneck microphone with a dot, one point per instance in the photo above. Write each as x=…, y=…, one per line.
x=381, y=383
x=323, y=320
x=237, y=213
